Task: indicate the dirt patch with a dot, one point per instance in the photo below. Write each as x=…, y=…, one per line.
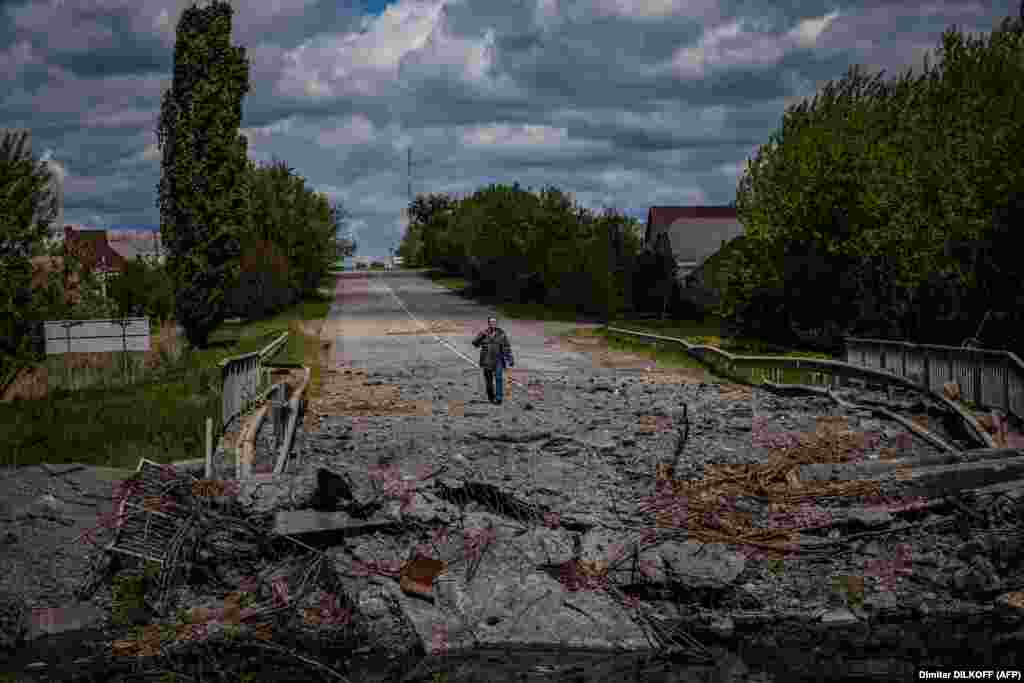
x=428, y=327
x=309, y=328
x=736, y=392
x=371, y=327
x=348, y=392
x=605, y=357
x=675, y=376
x=30, y=384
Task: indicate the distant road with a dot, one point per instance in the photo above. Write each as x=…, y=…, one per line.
x=369, y=305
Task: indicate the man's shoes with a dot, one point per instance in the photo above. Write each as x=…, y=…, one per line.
x=497, y=402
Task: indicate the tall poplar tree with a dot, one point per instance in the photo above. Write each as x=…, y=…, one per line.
x=202, y=192
x=27, y=208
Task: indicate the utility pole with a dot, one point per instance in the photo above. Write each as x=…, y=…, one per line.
x=410, y=165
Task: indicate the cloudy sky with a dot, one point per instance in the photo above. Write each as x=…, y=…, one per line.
x=623, y=103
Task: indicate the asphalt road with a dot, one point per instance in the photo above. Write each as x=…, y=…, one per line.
x=369, y=305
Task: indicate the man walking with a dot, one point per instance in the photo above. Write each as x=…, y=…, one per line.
x=495, y=355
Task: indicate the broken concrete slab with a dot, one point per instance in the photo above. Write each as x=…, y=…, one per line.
x=697, y=565
x=864, y=470
x=839, y=617
x=332, y=525
x=61, y=470
x=531, y=609
x=944, y=480
x=14, y=620
x=269, y=492
x=55, y=620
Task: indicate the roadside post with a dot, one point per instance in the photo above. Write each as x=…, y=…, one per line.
x=277, y=414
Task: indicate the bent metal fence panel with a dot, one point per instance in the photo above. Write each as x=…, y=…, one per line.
x=766, y=367
x=987, y=377
x=242, y=379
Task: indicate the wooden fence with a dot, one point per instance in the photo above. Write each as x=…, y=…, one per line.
x=988, y=378
x=243, y=378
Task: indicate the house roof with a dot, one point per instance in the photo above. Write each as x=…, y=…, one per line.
x=132, y=249
x=663, y=216
x=101, y=253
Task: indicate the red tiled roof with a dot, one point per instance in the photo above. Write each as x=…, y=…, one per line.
x=93, y=248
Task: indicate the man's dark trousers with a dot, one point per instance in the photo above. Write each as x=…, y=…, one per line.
x=495, y=381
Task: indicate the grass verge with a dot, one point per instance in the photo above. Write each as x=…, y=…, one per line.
x=162, y=419
x=709, y=333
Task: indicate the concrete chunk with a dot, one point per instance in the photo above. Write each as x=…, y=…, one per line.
x=300, y=522
x=72, y=617
x=936, y=481
x=266, y=492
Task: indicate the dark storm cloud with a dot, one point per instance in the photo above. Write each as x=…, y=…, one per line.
x=623, y=103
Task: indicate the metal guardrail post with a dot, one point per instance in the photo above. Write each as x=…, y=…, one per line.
x=277, y=413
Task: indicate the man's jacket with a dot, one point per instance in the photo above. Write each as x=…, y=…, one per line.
x=493, y=348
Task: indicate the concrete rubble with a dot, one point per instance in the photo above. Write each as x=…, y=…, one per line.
x=618, y=523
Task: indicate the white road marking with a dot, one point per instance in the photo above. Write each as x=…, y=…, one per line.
x=440, y=340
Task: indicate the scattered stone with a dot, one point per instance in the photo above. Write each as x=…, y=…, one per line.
x=722, y=625
x=979, y=577
x=697, y=565
x=14, y=620
x=61, y=470
x=869, y=517
x=333, y=526
x=271, y=492
x=839, y=617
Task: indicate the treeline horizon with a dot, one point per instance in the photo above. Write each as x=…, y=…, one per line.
x=879, y=208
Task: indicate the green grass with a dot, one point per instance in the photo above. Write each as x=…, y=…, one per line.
x=709, y=333
x=162, y=419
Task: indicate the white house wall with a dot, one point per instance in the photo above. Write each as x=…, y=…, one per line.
x=695, y=239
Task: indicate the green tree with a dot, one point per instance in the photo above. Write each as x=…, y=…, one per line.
x=27, y=209
x=203, y=196
x=302, y=224
x=143, y=289
x=863, y=191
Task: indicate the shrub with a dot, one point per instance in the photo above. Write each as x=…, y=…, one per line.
x=143, y=289
x=263, y=287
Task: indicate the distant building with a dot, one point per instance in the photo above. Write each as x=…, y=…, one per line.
x=141, y=244
x=94, y=250
x=694, y=232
